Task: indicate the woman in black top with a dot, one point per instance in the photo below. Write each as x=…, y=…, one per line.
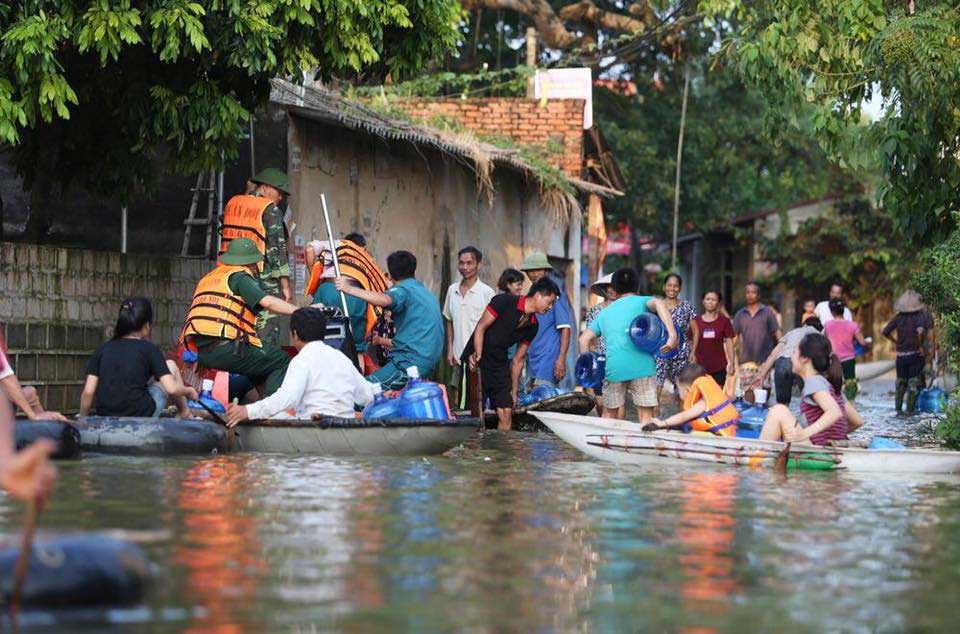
x=128, y=375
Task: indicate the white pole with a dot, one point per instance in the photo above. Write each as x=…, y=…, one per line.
x=123, y=229
x=333, y=250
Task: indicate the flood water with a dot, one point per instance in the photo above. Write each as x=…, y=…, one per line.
x=515, y=532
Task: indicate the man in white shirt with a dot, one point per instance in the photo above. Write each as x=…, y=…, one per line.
x=319, y=380
x=823, y=308
x=462, y=310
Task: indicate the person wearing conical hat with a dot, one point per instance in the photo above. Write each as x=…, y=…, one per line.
x=257, y=216
x=909, y=330
x=601, y=288
x=221, y=323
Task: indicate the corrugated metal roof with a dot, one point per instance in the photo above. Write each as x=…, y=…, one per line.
x=324, y=105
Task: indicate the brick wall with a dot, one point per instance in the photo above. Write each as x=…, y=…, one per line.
x=57, y=305
x=522, y=120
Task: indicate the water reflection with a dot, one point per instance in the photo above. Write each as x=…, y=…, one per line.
x=219, y=548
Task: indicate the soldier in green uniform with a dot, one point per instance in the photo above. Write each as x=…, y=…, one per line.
x=220, y=325
x=243, y=217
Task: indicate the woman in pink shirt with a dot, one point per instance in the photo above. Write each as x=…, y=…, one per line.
x=842, y=334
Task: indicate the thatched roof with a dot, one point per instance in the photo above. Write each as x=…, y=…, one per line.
x=322, y=104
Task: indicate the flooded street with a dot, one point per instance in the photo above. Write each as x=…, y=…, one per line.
x=515, y=532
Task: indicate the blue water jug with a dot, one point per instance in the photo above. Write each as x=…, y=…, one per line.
x=647, y=332
x=523, y=399
x=381, y=407
x=932, y=401
x=740, y=404
x=206, y=397
x=672, y=353
x=589, y=370
x=543, y=392
x=422, y=399
x=879, y=442
x=751, y=421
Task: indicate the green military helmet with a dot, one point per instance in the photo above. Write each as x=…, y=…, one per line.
x=535, y=262
x=242, y=251
x=273, y=177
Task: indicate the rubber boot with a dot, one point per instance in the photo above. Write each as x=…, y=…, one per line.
x=900, y=393
x=850, y=389
x=913, y=390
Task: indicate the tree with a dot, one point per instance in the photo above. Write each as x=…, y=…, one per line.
x=92, y=91
x=836, y=55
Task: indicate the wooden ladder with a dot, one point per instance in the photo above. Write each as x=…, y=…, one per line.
x=192, y=220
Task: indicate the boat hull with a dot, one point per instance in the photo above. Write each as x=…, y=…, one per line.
x=578, y=403
x=624, y=443
x=330, y=436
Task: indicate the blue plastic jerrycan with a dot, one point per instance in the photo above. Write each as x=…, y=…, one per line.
x=589, y=370
x=422, y=399
x=542, y=393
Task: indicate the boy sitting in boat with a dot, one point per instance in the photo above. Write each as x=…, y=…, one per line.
x=319, y=380
x=825, y=415
x=705, y=406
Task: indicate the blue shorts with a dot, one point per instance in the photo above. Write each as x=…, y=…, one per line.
x=159, y=396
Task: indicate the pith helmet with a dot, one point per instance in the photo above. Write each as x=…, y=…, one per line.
x=273, y=177
x=241, y=251
x=535, y=262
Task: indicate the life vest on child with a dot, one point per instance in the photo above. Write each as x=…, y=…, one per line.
x=217, y=311
x=243, y=218
x=721, y=416
x=355, y=262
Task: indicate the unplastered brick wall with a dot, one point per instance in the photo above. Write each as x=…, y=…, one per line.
x=526, y=121
x=57, y=305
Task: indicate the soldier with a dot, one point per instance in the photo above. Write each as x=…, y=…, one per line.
x=257, y=216
x=220, y=326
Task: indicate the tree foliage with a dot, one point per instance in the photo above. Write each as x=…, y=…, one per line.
x=856, y=244
x=836, y=55
x=91, y=90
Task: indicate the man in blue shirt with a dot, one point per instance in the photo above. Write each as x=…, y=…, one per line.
x=628, y=369
x=547, y=357
x=416, y=316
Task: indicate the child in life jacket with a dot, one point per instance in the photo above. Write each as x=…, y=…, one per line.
x=705, y=406
x=825, y=415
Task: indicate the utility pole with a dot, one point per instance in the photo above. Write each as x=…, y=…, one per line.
x=676, y=185
x=531, y=59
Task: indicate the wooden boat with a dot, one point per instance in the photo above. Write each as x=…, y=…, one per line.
x=578, y=403
x=328, y=436
x=332, y=436
x=624, y=443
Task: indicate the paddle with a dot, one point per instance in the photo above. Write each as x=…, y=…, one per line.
x=23, y=560
x=780, y=466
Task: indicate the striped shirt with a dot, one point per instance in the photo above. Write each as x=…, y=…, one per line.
x=812, y=412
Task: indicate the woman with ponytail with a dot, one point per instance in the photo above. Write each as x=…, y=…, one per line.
x=128, y=375
x=824, y=414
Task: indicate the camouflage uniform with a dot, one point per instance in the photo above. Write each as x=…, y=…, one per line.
x=276, y=264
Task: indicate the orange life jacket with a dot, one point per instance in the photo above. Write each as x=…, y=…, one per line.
x=721, y=416
x=217, y=311
x=357, y=263
x=243, y=218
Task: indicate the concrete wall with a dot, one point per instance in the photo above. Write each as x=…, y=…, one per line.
x=57, y=305
x=403, y=197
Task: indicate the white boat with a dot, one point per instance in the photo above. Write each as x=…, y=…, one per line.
x=331, y=436
x=624, y=443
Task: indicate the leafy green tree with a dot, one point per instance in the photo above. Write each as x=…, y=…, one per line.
x=91, y=91
x=835, y=56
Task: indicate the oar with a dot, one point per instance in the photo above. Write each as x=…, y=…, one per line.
x=780, y=466
x=23, y=560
